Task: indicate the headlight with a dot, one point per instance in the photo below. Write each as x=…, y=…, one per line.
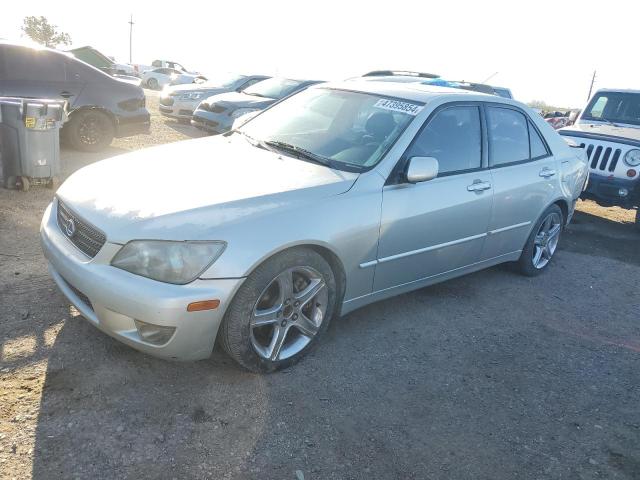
x=632, y=158
x=168, y=261
x=243, y=111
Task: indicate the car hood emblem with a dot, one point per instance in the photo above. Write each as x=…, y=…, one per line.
x=69, y=227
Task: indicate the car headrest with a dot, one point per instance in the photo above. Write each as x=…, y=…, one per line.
x=379, y=125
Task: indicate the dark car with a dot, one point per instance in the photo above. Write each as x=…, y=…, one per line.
x=101, y=107
x=216, y=114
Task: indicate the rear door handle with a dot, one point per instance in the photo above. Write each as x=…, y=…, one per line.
x=66, y=94
x=479, y=186
x=547, y=172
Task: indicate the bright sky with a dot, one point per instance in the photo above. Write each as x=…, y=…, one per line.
x=546, y=50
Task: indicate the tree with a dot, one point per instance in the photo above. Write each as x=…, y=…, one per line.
x=40, y=30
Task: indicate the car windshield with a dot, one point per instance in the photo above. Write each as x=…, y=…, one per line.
x=343, y=129
x=273, y=88
x=614, y=107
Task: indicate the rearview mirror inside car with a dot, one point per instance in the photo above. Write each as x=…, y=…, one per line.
x=421, y=169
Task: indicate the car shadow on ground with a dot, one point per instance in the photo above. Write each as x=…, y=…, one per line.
x=595, y=235
x=445, y=381
x=185, y=128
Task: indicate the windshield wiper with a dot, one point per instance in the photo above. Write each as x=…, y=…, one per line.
x=606, y=120
x=299, y=152
x=254, y=94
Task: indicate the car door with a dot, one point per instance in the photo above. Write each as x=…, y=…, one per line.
x=439, y=225
x=34, y=73
x=524, y=175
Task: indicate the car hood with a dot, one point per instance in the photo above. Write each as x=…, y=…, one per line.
x=205, y=87
x=594, y=130
x=190, y=189
x=240, y=100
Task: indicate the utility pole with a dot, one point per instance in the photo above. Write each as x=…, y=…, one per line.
x=593, y=80
x=130, y=38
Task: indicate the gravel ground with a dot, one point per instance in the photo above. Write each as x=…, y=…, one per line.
x=490, y=376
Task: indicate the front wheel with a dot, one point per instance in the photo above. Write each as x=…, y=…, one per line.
x=280, y=311
x=90, y=131
x=638, y=219
x=152, y=83
x=542, y=243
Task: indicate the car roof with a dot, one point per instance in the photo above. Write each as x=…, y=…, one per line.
x=621, y=90
x=416, y=92
x=35, y=46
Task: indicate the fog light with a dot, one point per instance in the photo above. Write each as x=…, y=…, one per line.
x=154, y=334
x=631, y=173
x=623, y=192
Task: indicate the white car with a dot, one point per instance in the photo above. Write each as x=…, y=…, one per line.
x=160, y=77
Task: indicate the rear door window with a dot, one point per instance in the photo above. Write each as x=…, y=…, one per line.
x=34, y=65
x=508, y=136
x=538, y=147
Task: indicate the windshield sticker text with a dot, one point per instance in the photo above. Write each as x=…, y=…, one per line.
x=397, y=106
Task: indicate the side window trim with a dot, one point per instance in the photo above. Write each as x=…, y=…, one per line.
x=395, y=177
x=529, y=125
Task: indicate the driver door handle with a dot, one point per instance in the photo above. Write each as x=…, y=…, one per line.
x=547, y=172
x=66, y=94
x=478, y=186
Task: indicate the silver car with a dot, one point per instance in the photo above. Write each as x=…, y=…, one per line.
x=179, y=101
x=339, y=196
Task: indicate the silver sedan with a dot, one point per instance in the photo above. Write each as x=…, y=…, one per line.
x=339, y=196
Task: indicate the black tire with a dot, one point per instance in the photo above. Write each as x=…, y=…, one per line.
x=25, y=184
x=89, y=131
x=10, y=183
x=235, y=331
x=525, y=264
x=152, y=83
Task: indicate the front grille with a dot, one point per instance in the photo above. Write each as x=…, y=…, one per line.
x=166, y=101
x=82, y=234
x=601, y=157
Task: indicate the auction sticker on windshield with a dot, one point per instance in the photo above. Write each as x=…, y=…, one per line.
x=398, y=106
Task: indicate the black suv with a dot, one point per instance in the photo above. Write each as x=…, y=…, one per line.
x=100, y=107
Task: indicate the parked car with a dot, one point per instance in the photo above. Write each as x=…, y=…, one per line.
x=216, y=114
x=609, y=129
x=502, y=92
x=341, y=195
x=557, y=119
x=161, y=77
x=97, y=59
x=101, y=107
x=140, y=68
x=180, y=101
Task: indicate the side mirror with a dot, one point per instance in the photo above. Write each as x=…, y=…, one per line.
x=421, y=169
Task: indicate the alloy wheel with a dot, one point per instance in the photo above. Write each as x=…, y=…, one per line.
x=546, y=240
x=288, y=313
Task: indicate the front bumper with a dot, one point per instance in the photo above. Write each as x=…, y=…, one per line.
x=606, y=191
x=133, y=125
x=111, y=298
x=179, y=109
x=212, y=122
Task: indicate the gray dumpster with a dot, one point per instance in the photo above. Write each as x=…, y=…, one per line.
x=30, y=141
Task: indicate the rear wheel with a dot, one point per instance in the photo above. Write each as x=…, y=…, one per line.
x=280, y=311
x=542, y=242
x=90, y=131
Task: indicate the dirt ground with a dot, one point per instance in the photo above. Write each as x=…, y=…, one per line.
x=490, y=376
